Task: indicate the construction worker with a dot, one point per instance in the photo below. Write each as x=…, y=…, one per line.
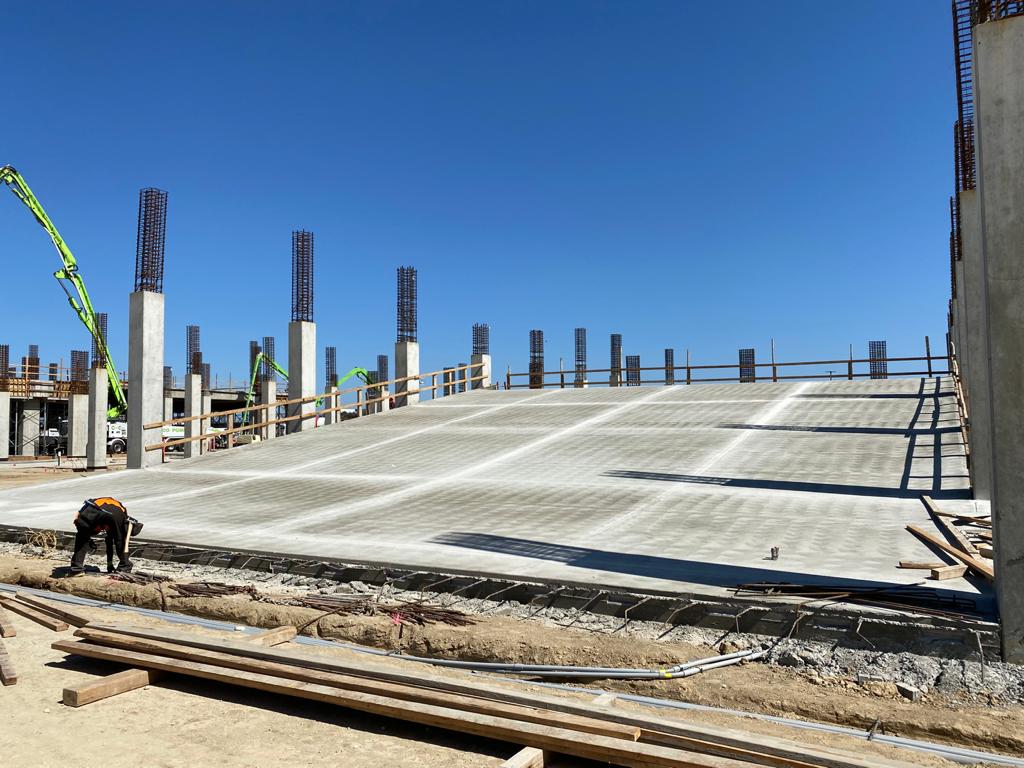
x=104, y=515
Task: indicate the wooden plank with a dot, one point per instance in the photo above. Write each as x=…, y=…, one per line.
x=362, y=684
x=35, y=615
x=570, y=742
x=110, y=685
x=722, y=741
x=976, y=565
x=8, y=676
x=948, y=572
x=54, y=609
x=921, y=566
x=133, y=679
x=527, y=757
x=948, y=528
x=272, y=637
x=6, y=628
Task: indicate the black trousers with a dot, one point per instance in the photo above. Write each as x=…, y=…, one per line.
x=82, y=538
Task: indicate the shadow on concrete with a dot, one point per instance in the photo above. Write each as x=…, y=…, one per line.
x=791, y=485
x=878, y=396
x=903, y=432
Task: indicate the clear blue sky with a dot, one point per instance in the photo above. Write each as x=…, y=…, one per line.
x=701, y=175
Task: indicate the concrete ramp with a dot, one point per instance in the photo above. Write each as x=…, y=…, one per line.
x=682, y=488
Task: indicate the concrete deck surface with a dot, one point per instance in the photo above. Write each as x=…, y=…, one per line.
x=680, y=488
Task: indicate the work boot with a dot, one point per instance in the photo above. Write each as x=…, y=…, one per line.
x=125, y=567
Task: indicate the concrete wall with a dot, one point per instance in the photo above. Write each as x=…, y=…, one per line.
x=301, y=372
x=999, y=98
x=145, y=376
x=5, y=425
x=96, y=440
x=78, y=425
x=407, y=363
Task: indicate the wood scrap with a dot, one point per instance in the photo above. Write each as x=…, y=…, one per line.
x=110, y=685
x=922, y=566
x=948, y=528
x=33, y=614
x=272, y=637
x=54, y=609
x=6, y=627
x=8, y=676
x=557, y=739
x=976, y=565
x=948, y=572
x=527, y=757
x=714, y=740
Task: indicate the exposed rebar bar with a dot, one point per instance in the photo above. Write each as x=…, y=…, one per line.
x=79, y=365
x=481, y=339
x=267, y=371
x=407, y=303
x=193, y=352
x=302, y=275
x=536, y=359
x=670, y=366
x=748, y=371
x=382, y=368
x=581, y=356
x=331, y=364
x=877, y=360
x=615, y=364
x=149, y=244
x=99, y=341
x=632, y=370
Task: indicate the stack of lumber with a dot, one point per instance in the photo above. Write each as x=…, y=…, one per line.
x=955, y=543
x=537, y=724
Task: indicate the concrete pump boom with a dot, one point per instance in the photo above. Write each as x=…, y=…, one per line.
x=69, y=273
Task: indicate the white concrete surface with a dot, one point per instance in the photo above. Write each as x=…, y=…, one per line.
x=301, y=373
x=671, y=488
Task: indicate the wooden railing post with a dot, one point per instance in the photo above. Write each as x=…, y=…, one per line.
x=928, y=354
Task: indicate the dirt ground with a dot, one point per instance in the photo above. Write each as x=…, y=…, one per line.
x=752, y=687
x=18, y=473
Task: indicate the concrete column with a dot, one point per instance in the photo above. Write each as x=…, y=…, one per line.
x=96, y=441
x=385, y=405
x=193, y=407
x=30, y=412
x=268, y=394
x=975, y=346
x=168, y=408
x=484, y=370
x=301, y=372
x=999, y=96
x=960, y=320
x=145, y=375
x=407, y=363
x=5, y=425
x=207, y=405
x=331, y=402
x=78, y=425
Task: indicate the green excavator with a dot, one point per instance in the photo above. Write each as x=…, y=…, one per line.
x=70, y=275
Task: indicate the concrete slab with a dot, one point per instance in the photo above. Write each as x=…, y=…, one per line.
x=678, y=489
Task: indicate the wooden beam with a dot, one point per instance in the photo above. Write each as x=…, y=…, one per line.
x=948, y=572
x=6, y=628
x=8, y=676
x=948, y=528
x=921, y=566
x=618, y=751
x=31, y=613
x=976, y=565
x=133, y=679
x=56, y=610
x=718, y=740
x=527, y=757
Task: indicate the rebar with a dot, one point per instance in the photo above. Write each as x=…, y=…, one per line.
x=407, y=303
x=30, y=363
x=33, y=350
x=79, y=365
x=53, y=372
x=536, y=359
x=382, y=368
x=581, y=356
x=632, y=370
x=193, y=352
x=413, y=612
x=5, y=361
x=616, y=360
x=481, y=339
x=302, y=275
x=206, y=377
x=877, y=360
x=331, y=364
x=149, y=245
x=99, y=341
x=168, y=378
x=670, y=366
x=267, y=371
x=213, y=589
x=748, y=372
x=254, y=353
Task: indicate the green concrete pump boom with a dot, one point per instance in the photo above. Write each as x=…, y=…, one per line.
x=361, y=373
x=80, y=301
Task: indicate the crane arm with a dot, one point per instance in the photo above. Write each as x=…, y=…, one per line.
x=67, y=275
x=360, y=373
x=260, y=358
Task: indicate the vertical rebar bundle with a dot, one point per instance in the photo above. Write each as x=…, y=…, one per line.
x=331, y=363
x=302, y=275
x=99, y=341
x=963, y=62
x=149, y=244
x=581, y=356
x=79, y=365
x=30, y=364
x=481, y=339
x=616, y=360
x=269, y=353
x=536, y=359
x=5, y=363
x=878, y=362
x=53, y=372
x=193, y=353
x=250, y=372
x=206, y=377
x=632, y=370
x=168, y=378
x=748, y=373
x=407, y=303
x=382, y=368
x=33, y=350
x=670, y=366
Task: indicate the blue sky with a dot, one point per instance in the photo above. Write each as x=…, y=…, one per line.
x=694, y=175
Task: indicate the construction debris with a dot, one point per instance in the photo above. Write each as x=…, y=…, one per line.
x=420, y=613
x=214, y=589
x=138, y=577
